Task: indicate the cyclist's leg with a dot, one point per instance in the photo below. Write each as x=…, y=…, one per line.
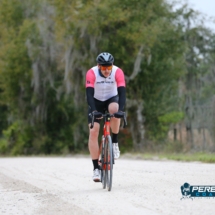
x=93, y=140
x=115, y=122
x=94, y=149
x=113, y=107
x=93, y=135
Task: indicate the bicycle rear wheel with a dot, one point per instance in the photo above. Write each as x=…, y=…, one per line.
x=108, y=155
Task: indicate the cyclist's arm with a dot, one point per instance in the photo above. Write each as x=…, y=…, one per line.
x=90, y=98
x=90, y=80
x=120, y=79
x=122, y=98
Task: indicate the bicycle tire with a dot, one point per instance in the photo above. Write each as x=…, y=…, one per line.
x=103, y=176
x=109, y=163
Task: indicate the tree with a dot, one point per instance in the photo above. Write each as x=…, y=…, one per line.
x=47, y=48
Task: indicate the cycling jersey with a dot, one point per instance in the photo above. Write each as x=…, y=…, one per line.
x=105, y=88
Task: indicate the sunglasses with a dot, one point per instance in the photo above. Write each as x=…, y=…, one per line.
x=103, y=68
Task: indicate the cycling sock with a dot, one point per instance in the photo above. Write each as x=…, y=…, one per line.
x=95, y=164
x=114, y=138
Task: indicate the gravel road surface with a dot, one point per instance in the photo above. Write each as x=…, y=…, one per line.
x=64, y=186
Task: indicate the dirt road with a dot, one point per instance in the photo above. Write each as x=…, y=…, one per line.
x=49, y=186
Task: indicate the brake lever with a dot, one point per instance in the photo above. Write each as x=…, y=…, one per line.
x=125, y=121
x=92, y=122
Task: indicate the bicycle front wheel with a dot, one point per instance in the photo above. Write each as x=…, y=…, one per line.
x=103, y=164
x=109, y=162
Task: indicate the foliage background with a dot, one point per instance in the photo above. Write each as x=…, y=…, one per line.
x=47, y=46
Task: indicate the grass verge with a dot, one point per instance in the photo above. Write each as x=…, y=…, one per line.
x=189, y=157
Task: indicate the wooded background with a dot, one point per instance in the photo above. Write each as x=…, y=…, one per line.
x=47, y=46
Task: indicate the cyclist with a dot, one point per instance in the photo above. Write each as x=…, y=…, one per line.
x=105, y=90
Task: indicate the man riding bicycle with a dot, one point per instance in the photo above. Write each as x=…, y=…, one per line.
x=105, y=90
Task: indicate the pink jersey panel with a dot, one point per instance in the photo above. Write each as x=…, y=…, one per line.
x=120, y=79
x=90, y=78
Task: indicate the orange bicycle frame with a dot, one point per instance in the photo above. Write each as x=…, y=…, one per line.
x=106, y=129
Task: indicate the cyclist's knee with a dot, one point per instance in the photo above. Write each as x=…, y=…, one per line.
x=113, y=107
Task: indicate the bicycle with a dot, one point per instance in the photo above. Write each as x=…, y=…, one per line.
x=106, y=151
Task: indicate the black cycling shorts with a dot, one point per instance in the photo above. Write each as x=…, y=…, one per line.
x=102, y=106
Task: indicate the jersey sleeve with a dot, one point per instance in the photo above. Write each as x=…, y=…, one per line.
x=120, y=78
x=90, y=78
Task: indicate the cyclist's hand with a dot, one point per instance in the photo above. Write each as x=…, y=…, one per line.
x=97, y=114
x=119, y=114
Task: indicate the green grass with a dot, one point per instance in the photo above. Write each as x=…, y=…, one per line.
x=189, y=157
x=202, y=157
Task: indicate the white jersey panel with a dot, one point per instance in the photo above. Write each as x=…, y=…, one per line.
x=105, y=88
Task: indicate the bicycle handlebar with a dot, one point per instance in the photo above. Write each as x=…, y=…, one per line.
x=108, y=115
